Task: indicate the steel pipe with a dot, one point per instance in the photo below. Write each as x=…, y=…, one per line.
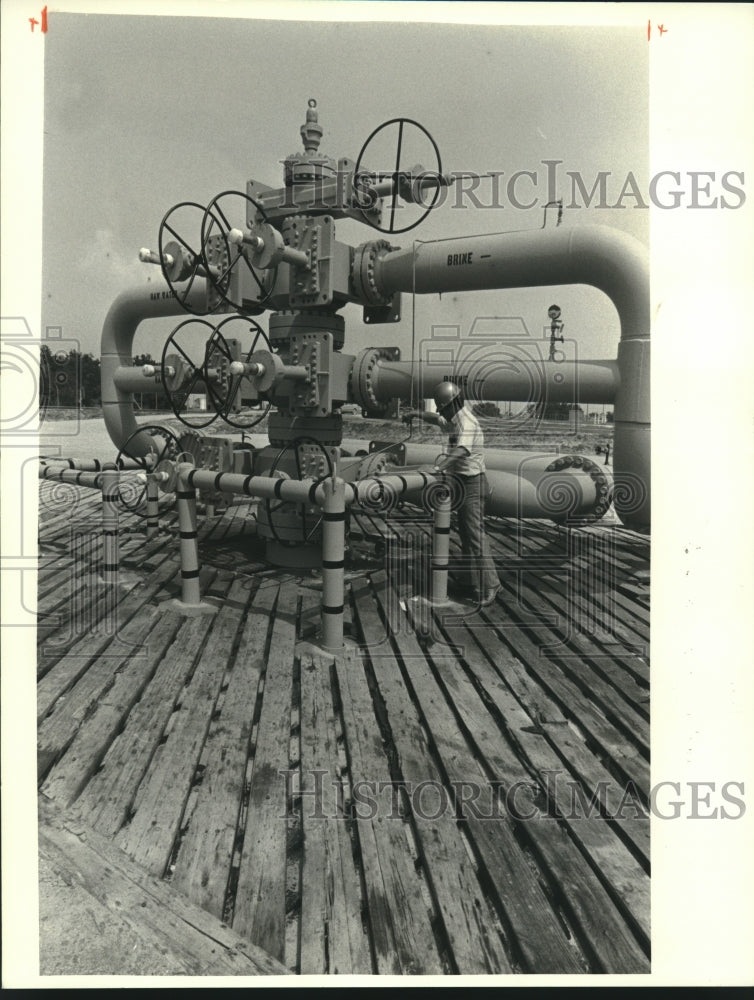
x=333, y=564
x=599, y=256
x=116, y=349
x=517, y=379
x=265, y=487
x=441, y=503
x=189, y=546
x=92, y=481
x=89, y=464
x=535, y=484
x=153, y=508
x=131, y=378
x=110, y=540
x=376, y=489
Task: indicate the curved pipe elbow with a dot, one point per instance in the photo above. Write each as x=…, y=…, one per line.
x=116, y=349
x=600, y=256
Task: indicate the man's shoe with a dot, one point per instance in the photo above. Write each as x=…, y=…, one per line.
x=489, y=597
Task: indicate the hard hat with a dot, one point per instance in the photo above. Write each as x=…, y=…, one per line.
x=445, y=393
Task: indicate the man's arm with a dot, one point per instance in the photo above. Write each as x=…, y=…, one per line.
x=446, y=462
x=425, y=416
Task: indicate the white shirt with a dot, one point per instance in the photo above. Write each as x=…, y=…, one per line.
x=463, y=430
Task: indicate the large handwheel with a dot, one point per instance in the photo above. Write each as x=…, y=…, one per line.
x=185, y=215
x=402, y=144
x=224, y=395
x=307, y=533
x=187, y=374
x=233, y=210
x=133, y=494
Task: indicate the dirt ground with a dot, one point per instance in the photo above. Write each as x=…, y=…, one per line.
x=82, y=434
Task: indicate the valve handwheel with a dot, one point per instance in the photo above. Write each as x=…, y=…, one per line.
x=187, y=374
x=163, y=446
x=224, y=395
x=192, y=214
x=406, y=139
x=307, y=534
x=234, y=210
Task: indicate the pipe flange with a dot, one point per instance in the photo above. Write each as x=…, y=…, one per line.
x=602, y=483
x=362, y=274
x=362, y=382
x=375, y=464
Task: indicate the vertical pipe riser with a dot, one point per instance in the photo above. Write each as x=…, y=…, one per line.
x=153, y=496
x=632, y=435
x=189, y=545
x=440, y=548
x=333, y=565
x=110, y=543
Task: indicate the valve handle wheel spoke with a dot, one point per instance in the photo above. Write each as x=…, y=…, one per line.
x=197, y=371
x=271, y=508
x=404, y=126
x=223, y=403
x=168, y=449
x=173, y=221
x=218, y=221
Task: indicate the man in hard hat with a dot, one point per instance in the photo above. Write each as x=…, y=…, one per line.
x=464, y=459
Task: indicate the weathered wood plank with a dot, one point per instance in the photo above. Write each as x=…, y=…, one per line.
x=555, y=597
x=167, y=783
x=94, y=722
x=57, y=730
x=81, y=647
x=587, y=552
x=259, y=911
x=583, y=893
x=401, y=931
x=140, y=908
x=537, y=932
x=107, y=800
x=92, y=609
x=594, y=692
x=498, y=669
x=60, y=502
x=576, y=705
x=600, y=663
x=333, y=938
x=469, y=921
x=203, y=862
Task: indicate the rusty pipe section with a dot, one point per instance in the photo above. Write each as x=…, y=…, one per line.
x=602, y=257
x=116, y=349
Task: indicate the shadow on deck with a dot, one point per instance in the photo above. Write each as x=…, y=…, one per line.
x=452, y=795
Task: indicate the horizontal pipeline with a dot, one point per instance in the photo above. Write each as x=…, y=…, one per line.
x=90, y=464
x=92, y=481
x=501, y=377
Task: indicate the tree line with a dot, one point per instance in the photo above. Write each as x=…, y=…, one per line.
x=70, y=378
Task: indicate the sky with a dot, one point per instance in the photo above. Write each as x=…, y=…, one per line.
x=143, y=112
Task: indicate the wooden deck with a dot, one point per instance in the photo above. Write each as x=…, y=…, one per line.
x=453, y=795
